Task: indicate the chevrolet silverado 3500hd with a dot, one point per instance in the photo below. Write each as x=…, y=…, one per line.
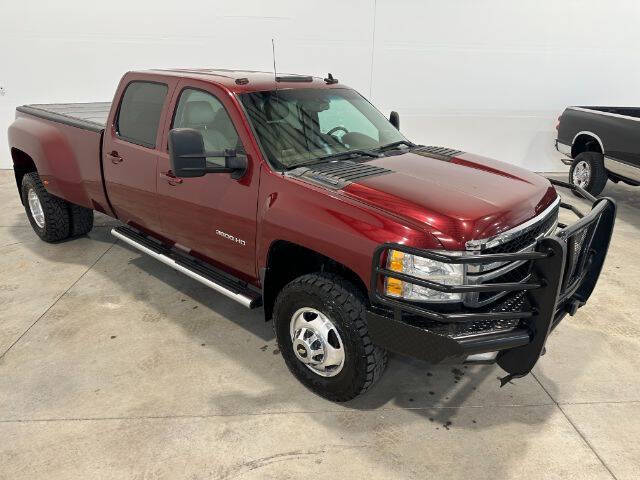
x=295, y=194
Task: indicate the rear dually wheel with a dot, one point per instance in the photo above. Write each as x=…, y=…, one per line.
x=48, y=215
x=53, y=218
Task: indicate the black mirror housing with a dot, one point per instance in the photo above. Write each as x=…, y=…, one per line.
x=394, y=119
x=189, y=159
x=186, y=153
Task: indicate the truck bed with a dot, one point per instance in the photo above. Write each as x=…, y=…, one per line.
x=88, y=116
x=624, y=111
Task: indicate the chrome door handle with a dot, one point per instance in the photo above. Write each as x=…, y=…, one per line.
x=115, y=158
x=170, y=178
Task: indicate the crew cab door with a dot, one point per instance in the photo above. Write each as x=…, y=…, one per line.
x=130, y=154
x=213, y=216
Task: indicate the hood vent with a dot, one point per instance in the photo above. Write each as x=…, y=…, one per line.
x=440, y=153
x=340, y=173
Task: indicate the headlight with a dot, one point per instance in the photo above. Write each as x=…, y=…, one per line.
x=427, y=269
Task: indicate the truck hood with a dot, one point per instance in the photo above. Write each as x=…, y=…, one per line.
x=457, y=197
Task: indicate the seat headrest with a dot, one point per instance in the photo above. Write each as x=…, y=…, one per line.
x=275, y=110
x=198, y=113
x=223, y=124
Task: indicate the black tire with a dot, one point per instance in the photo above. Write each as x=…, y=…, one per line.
x=344, y=305
x=57, y=225
x=598, y=178
x=81, y=219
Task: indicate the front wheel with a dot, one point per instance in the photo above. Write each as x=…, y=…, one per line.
x=320, y=326
x=588, y=172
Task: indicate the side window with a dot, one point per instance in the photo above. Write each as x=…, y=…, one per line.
x=204, y=112
x=140, y=112
x=342, y=113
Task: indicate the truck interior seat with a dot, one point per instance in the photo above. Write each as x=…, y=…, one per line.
x=141, y=120
x=287, y=139
x=200, y=116
x=222, y=123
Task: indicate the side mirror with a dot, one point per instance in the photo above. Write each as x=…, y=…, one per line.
x=186, y=153
x=394, y=119
x=189, y=159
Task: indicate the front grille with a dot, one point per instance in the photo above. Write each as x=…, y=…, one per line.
x=518, y=274
x=512, y=241
x=527, y=238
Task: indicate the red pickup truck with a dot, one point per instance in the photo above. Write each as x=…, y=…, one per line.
x=295, y=194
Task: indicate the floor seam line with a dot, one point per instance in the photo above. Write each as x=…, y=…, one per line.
x=250, y=414
x=577, y=430
x=600, y=402
x=56, y=301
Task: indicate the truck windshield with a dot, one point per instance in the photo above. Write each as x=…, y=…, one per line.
x=300, y=126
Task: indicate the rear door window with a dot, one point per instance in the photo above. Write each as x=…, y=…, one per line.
x=140, y=112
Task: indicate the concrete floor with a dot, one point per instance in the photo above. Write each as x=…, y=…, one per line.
x=114, y=366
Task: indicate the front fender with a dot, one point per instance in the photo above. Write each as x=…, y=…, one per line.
x=328, y=223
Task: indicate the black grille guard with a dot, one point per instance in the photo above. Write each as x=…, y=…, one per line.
x=565, y=267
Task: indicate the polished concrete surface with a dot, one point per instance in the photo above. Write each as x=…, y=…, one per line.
x=112, y=365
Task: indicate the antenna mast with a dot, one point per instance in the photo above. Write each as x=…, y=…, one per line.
x=273, y=52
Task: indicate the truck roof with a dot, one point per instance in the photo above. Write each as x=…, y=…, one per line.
x=243, y=81
x=93, y=116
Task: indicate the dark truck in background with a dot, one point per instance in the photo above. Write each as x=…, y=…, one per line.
x=296, y=195
x=601, y=143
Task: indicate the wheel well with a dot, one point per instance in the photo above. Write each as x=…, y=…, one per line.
x=287, y=261
x=22, y=163
x=585, y=143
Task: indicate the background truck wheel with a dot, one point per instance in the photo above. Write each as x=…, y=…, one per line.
x=588, y=172
x=81, y=219
x=320, y=326
x=48, y=215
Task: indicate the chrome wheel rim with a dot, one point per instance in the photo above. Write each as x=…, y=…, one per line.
x=316, y=342
x=36, y=208
x=582, y=174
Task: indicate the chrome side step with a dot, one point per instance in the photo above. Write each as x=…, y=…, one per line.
x=235, y=290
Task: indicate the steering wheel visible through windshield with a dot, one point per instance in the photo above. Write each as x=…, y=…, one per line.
x=299, y=126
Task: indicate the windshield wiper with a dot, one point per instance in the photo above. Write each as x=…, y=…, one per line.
x=389, y=146
x=335, y=156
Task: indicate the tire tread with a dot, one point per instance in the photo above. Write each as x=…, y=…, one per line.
x=81, y=219
x=599, y=174
x=351, y=301
x=57, y=219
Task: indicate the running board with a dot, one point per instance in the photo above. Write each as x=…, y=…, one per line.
x=204, y=274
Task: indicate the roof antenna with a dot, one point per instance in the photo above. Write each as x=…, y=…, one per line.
x=275, y=75
x=273, y=52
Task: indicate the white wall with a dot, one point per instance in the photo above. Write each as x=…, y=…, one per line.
x=486, y=76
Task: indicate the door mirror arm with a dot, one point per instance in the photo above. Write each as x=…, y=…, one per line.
x=235, y=163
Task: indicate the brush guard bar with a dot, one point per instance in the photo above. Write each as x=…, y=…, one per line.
x=565, y=267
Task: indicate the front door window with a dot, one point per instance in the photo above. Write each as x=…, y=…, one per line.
x=204, y=112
